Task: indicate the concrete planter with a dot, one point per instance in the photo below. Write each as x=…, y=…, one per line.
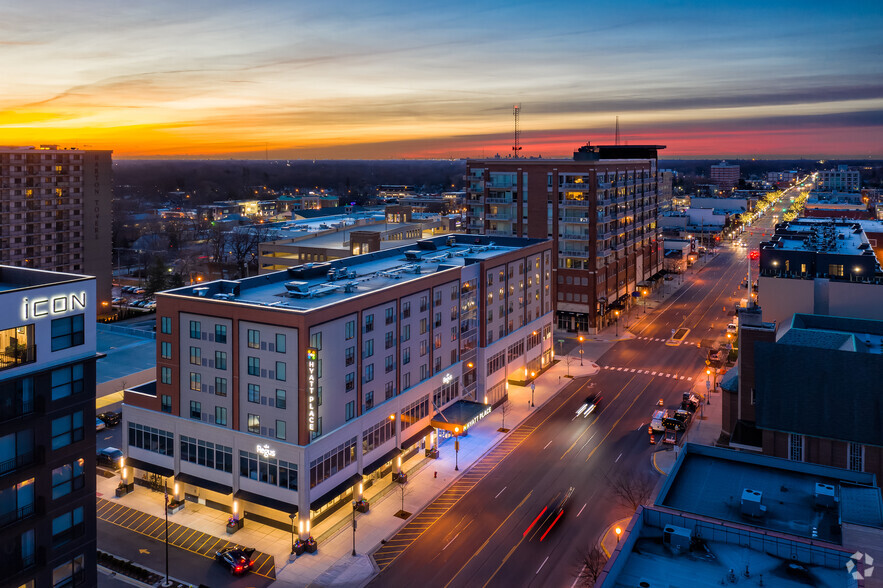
x=175, y=506
x=432, y=453
x=234, y=526
x=362, y=506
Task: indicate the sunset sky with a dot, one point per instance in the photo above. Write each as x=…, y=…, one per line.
x=377, y=80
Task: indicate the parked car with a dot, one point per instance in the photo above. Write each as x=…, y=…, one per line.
x=99, y=424
x=109, y=457
x=237, y=559
x=111, y=418
x=140, y=291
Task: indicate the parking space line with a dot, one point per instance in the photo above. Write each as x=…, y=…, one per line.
x=125, y=517
x=140, y=520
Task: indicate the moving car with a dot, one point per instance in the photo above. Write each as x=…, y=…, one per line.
x=99, y=424
x=552, y=513
x=237, y=559
x=732, y=328
x=110, y=418
x=109, y=457
x=589, y=406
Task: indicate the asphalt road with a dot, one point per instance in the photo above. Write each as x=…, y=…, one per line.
x=486, y=539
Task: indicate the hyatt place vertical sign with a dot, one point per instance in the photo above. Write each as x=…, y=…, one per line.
x=312, y=366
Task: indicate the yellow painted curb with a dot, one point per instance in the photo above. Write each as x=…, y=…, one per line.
x=656, y=467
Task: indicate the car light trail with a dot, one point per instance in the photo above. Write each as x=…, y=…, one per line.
x=560, y=512
x=526, y=531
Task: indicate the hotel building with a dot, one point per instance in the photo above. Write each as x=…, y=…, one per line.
x=283, y=392
x=55, y=211
x=600, y=210
x=47, y=436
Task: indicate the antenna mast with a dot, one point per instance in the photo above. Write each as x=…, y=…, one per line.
x=516, y=147
x=616, y=137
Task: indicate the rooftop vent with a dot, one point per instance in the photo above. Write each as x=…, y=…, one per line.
x=297, y=287
x=678, y=539
x=350, y=287
x=412, y=255
x=825, y=496
x=201, y=291
x=751, y=503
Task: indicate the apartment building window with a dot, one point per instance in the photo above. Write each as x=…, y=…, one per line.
x=68, y=478
x=166, y=403
x=221, y=360
x=438, y=341
x=254, y=423
x=438, y=365
x=151, y=439
x=438, y=320
x=496, y=362
x=424, y=326
x=390, y=390
x=280, y=430
x=369, y=401
x=68, y=526
x=390, y=315
x=369, y=372
x=455, y=292
x=254, y=339
x=424, y=348
x=406, y=333
x=165, y=350
x=424, y=372
x=795, y=447
x=316, y=341
x=165, y=375
x=254, y=366
x=67, y=381
x=70, y=574
x=221, y=416
x=835, y=269
x=369, y=323
x=350, y=356
x=453, y=356
x=280, y=342
x=349, y=381
x=856, y=457
x=389, y=363
x=196, y=381
x=424, y=303
x=165, y=325
x=220, y=333
x=195, y=330
x=437, y=298
x=350, y=329
x=406, y=356
x=220, y=386
x=195, y=410
x=453, y=333
x=406, y=381
x=368, y=348
x=254, y=393
x=406, y=309
x=68, y=332
x=280, y=399
x=196, y=356
x=67, y=429
x=389, y=340
x=350, y=413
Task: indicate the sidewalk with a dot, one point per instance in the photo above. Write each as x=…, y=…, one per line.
x=334, y=564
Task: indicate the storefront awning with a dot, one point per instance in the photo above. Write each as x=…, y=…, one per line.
x=378, y=463
x=461, y=415
x=335, y=492
x=203, y=483
x=149, y=467
x=262, y=500
x=415, y=439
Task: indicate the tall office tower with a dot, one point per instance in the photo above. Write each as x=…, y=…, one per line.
x=47, y=436
x=281, y=395
x=724, y=175
x=599, y=208
x=55, y=212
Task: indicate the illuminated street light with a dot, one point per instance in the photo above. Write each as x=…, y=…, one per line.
x=456, y=449
x=581, y=339
x=616, y=314
x=618, y=531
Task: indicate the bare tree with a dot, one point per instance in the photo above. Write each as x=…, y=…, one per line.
x=632, y=489
x=405, y=490
x=244, y=244
x=504, y=410
x=593, y=562
x=568, y=359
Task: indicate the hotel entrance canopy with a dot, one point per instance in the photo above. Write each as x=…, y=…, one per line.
x=461, y=415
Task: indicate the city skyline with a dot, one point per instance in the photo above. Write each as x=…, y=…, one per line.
x=384, y=80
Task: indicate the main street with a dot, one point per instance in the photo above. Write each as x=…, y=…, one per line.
x=483, y=540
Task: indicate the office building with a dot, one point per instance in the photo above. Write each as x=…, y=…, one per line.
x=306, y=383
x=725, y=518
x=47, y=436
x=841, y=179
x=820, y=266
x=724, y=175
x=55, y=211
x=600, y=209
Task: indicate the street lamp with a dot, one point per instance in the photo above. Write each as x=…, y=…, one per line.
x=456, y=449
x=532, y=388
x=616, y=314
x=618, y=531
x=291, y=516
x=581, y=339
x=644, y=299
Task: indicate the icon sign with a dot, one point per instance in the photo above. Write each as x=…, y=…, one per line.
x=852, y=565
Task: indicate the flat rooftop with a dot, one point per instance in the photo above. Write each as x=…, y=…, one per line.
x=820, y=235
x=129, y=348
x=341, y=239
x=16, y=278
x=710, y=482
x=316, y=285
x=832, y=332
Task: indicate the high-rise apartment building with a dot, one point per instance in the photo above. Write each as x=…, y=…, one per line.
x=47, y=435
x=285, y=391
x=841, y=179
x=55, y=211
x=724, y=175
x=600, y=209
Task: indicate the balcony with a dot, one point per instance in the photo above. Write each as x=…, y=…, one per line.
x=19, y=461
x=15, y=515
x=500, y=217
x=572, y=253
x=577, y=236
x=15, y=356
x=496, y=200
x=580, y=203
x=500, y=233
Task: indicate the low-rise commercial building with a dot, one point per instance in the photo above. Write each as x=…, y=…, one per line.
x=286, y=392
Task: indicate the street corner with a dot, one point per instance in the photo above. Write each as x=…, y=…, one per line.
x=613, y=535
x=664, y=460
x=349, y=571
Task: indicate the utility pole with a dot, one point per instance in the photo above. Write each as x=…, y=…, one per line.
x=166, y=509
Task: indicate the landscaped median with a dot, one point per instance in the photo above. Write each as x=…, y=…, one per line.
x=133, y=571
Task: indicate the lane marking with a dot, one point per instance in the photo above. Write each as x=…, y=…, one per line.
x=451, y=541
x=542, y=564
x=504, y=487
x=587, y=442
x=578, y=576
x=617, y=459
x=581, y=510
x=613, y=427
x=550, y=442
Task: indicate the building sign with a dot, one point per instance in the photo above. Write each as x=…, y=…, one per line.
x=477, y=418
x=52, y=305
x=265, y=451
x=312, y=358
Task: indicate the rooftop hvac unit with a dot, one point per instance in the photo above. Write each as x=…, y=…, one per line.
x=332, y=275
x=678, y=539
x=825, y=495
x=412, y=254
x=350, y=287
x=297, y=287
x=751, y=503
x=452, y=241
x=201, y=291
